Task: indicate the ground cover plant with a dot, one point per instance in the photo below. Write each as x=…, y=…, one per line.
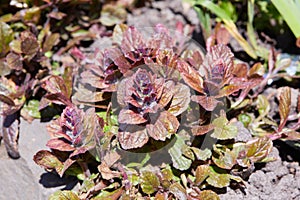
x=147, y=113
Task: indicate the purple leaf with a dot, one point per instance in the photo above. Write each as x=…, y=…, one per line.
x=132, y=44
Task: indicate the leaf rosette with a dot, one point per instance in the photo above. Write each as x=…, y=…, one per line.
x=75, y=131
x=149, y=108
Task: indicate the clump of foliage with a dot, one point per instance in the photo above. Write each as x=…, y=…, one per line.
x=151, y=94
x=38, y=40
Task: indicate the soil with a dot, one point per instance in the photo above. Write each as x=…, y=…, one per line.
x=23, y=179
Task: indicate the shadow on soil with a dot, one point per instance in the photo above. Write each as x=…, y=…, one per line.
x=51, y=180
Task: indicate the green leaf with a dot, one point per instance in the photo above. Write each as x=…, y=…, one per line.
x=292, y=16
x=218, y=178
x=106, y=195
x=245, y=119
x=150, y=182
x=6, y=36
x=202, y=154
x=47, y=160
x=32, y=109
x=226, y=158
x=209, y=195
x=176, y=152
x=229, y=24
x=167, y=173
x=75, y=170
x=64, y=195
x=263, y=105
x=259, y=148
x=223, y=130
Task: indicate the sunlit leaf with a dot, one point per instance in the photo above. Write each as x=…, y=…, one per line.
x=209, y=103
x=256, y=70
x=284, y=104
x=31, y=110
x=163, y=127
x=176, y=153
x=64, y=195
x=6, y=36
x=181, y=100
x=190, y=76
x=106, y=172
x=105, y=195
x=131, y=43
x=132, y=137
x=130, y=117
x=263, y=105
x=259, y=148
x=226, y=159
x=119, y=29
x=32, y=14
x=209, y=195
x=47, y=160
x=178, y=191
x=150, y=182
x=201, y=130
x=201, y=154
x=223, y=129
x=59, y=144
x=218, y=178
x=202, y=172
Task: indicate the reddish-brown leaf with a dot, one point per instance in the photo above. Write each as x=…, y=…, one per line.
x=162, y=127
x=132, y=137
x=14, y=61
x=127, y=116
x=201, y=130
x=209, y=103
x=59, y=144
x=29, y=44
x=190, y=76
x=284, y=105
